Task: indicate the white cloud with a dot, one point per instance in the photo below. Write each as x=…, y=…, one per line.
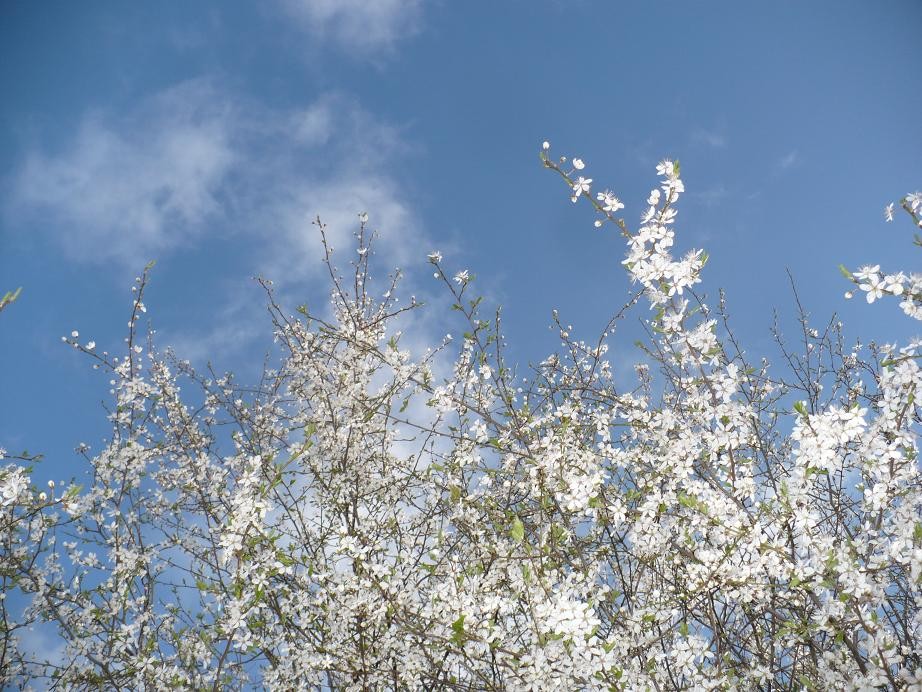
x=338, y=203
x=131, y=188
x=360, y=26
x=792, y=158
x=192, y=167
x=313, y=125
x=710, y=196
x=709, y=138
x=238, y=323
x=192, y=163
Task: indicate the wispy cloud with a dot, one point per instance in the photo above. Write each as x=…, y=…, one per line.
x=194, y=165
x=789, y=160
x=709, y=138
x=337, y=203
x=710, y=196
x=128, y=188
x=360, y=26
x=237, y=325
x=193, y=162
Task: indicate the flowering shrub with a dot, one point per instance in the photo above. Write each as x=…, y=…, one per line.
x=355, y=521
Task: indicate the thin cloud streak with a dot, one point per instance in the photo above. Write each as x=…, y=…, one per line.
x=708, y=138
x=362, y=27
x=789, y=160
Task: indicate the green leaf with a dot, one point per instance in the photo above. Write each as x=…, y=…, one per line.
x=517, y=530
x=558, y=533
x=9, y=297
x=846, y=273
x=457, y=628
x=801, y=408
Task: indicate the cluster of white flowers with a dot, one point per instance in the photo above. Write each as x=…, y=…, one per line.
x=364, y=519
x=13, y=484
x=248, y=509
x=875, y=285
x=908, y=286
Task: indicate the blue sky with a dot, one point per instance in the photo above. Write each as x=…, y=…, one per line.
x=207, y=136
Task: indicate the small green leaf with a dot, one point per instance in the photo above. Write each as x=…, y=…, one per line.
x=9, y=297
x=517, y=530
x=457, y=628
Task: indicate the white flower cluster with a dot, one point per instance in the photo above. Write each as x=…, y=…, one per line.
x=365, y=519
x=13, y=485
x=248, y=509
